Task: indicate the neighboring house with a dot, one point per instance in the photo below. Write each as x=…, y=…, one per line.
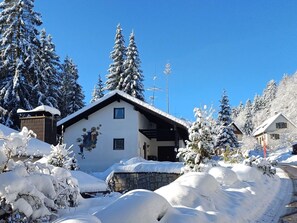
x=237, y=131
x=273, y=128
x=118, y=127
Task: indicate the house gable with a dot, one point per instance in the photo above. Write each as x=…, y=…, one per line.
x=138, y=129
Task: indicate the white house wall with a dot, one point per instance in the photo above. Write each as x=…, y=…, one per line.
x=103, y=155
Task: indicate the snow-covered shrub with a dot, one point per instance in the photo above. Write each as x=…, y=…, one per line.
x=263, y=164
x=60, y=156
x=200, y=146
x=233, y=155
x=14, y=144
x=31, y=192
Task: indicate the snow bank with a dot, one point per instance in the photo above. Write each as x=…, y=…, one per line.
x=222, y=195
x=135, y=206
x=225, y=176
x=247, y=173
x=88, y=183
x=79, y=219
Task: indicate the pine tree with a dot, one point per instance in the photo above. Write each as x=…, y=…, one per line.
x=132, y=78
x=248, y=125
x=72, y=97
x=98, y=91
x=200, y=145
x=225, y=136
x=19, y=46
x=118, y=56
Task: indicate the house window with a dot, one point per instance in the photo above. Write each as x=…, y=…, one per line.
x=118, y=144
x=274, y=136
x=281, y=125
x=119, y=113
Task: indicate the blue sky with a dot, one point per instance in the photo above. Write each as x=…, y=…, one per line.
x=211, y=45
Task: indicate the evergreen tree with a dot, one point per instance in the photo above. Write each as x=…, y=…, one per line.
x=19, y=46
x=200, y=145
x=118, y=56
x=132, y=78
x=48, y=78
x=258, y=104
x=269, y=93
x=225, y=136
x=248, y=125
x=98, y=91
x=72, y=97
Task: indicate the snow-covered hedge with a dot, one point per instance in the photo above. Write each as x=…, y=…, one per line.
x=263, y=164
x=31, y=191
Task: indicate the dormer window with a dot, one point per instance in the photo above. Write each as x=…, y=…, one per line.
x=119, y=113
x=281, y=125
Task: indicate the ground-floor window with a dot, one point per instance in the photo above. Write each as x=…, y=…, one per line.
x=274, y=136
x=119, y=144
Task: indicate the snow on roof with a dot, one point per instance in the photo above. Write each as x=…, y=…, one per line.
x=36, y=147
x=41, y=108
x=88, y=183
x=263, y=127
x=128, y=97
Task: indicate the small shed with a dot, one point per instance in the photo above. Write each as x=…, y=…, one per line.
x=42, y=120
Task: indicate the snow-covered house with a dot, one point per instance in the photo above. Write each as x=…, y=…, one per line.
x=118, y=127
x=237, y=131
x=273, y=129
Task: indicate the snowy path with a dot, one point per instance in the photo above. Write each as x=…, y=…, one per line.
x=276, y=209
x=290, y=214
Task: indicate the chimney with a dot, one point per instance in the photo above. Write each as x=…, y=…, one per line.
x=42, y=120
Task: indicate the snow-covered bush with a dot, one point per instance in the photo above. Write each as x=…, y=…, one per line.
x=60, y=156
x=233, y=155
x=200, y=146
x=263, y=164
x=14, y=144
x=31, y=192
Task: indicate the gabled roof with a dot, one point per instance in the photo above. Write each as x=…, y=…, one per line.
x=265, y=125
x=236, y=126
x=142, y=107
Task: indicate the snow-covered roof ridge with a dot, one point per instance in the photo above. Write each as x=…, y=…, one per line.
x=263, y=127
x=128, y=97
x=41, y=108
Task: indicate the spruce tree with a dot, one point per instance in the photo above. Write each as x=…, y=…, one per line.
x=19, y=67
x=132, y=78
x=48, y=78
x=118, y=56
x=200, y=145
x=269, y=93
x=248, y=124
x=71, y=99
x=98, y=91
x=225, y=136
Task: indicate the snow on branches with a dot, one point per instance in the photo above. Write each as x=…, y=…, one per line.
x=30, y=191
x=200, y=145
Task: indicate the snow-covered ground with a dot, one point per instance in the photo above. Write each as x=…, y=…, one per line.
x=224, y=194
